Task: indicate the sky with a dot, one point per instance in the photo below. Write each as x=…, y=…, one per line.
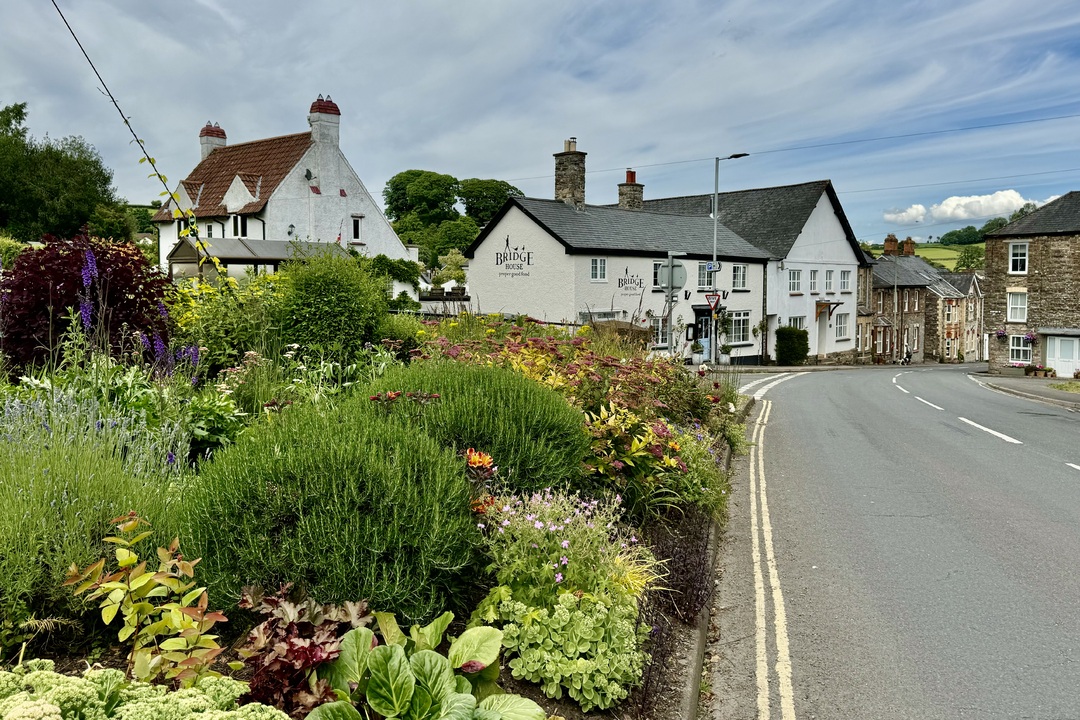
x=927, y=115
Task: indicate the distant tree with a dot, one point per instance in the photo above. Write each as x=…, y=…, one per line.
x=452, y=268
x=1026, y=209
x=971, y=257
x=963, y=236
x=112, y=222
x=142, y=217
x=47, y=186
x=431, y=196
x=484, y=198
x=990, y=226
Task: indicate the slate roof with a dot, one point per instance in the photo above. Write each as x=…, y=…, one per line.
x=962, y=281
x=615, y=231
x=1060, y=217
x=912, y=271
x=770, y=218
x=261, y=165
x=253, y=251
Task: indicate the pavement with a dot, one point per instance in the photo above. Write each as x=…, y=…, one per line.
x=1031, y=388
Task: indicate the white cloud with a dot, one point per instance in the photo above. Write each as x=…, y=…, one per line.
x=914, y=214
x=957, y=207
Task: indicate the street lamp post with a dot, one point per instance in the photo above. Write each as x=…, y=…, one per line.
x=671, y=255
x=715, y=225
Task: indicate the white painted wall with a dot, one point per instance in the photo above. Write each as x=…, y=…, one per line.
x=822, y=245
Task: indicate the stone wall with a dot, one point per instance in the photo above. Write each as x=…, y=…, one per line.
x=1053, y=288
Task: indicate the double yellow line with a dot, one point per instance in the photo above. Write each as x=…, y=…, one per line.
x=761, y=530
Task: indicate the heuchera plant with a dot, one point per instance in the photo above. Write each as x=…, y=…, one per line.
x=297, y=637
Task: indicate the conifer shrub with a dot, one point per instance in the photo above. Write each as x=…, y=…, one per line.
x=536, y=438
x=111, y=285
x=343, y=502
x=792, y=345
x=331, y=301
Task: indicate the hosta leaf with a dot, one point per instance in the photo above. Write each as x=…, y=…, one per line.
x=457, y=706
x=351, y=664
x=340, y=710
x=420, y=705
x=433, y=674
x=513, y=707
x=478, y=644
x=391, y=683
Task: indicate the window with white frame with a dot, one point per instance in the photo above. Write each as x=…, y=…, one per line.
x=656, y=266
x=905, y=300
x=1019, y=351
x=794, y=281
x=1018, y=258
x=828, y=281
x=843, y=325
x=845, y=281
x=598, y=270
x=797, y=321
x=357, y=228
x=916, y=298
x=915, y=338
x=738, y=277
x=813, y=281
x=239, y=226
x=209, y=230
x=703, y=277
x=950, y=308
x=660, y=331
x=1018, y=307
x=948, y=348
x=740, y=326
x=878, y=337
x=881, y=301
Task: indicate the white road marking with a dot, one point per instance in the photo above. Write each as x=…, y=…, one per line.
x=928, y=403
x=754, y=383
x=902, y=390
x=995, y=433
x=1074, y=467
x=783, y=657
x=764, y=389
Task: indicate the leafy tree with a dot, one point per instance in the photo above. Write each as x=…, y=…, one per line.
x=47, y=186
x=429, y=195
x=112, y=222
x=452, y=268
x=1026, y=209
x=991, y=225
x=483, y=198
x=964, y=236
x=971, y=257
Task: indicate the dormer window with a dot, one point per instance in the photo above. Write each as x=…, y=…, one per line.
x=239, y=226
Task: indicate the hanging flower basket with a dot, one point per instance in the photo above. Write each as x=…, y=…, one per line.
x=1031, y=338
x=1001, y=334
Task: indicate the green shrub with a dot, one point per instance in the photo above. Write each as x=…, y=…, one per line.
x=9, y=250
x=535, y=437
x=331, y=300
x=67, y=470
x=343, y=502
x=792, y=345
x=401, y=331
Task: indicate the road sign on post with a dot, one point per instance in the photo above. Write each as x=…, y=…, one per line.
x=712, y=299
x=673, y=278
x=711, y=267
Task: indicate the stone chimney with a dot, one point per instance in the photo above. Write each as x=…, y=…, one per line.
x=631, y=192
x=909, y=247
x=891, y=242
x=570, y=175
x=211, y=137
x=325, y=121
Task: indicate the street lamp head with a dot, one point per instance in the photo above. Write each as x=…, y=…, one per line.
x=736, y=156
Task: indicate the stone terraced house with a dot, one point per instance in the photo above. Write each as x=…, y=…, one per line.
x=1033, y=289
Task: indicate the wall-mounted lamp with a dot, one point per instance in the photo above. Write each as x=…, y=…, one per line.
x=292, y=229
x=781, y=265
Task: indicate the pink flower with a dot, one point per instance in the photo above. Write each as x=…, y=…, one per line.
x=558, y=577
x=563, y=560
x=565, y=544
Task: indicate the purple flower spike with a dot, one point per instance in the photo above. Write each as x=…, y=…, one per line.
x=145, y=341
x=159, y=347
x=85, y=311
x=170, y=458
x=89, y=271
x=162, y=311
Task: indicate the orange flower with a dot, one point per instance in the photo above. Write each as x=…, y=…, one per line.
x=477, y=459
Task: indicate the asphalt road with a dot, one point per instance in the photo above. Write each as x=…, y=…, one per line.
x=925, y=537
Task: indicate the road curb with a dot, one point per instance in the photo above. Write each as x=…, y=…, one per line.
x=1075, y=407
x=688, y=703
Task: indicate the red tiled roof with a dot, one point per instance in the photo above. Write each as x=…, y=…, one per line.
x=261, y=165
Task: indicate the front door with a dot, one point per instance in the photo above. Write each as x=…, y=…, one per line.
x=1063, y=354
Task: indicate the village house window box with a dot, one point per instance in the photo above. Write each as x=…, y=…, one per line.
x=1013, y=371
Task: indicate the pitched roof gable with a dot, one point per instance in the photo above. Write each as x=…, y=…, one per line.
x=770, y=218
x=912, y=271
x=615, y=231
x=1060, y=217
x=260, y=164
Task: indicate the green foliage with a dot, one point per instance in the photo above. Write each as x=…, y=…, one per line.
x=9, y=251
x=35, y=690
x=964, y=236
x=401, y=331
x=170, y=637
x=401, y=270
x=484, y=198
x=537, y=440
x=792, y=345
x=47, y=186
x=112, y=222
x=704, y=484
x=343, y=501
x=584, y=644
x=451, y=267
x=331, y=300
x=68, y=467
x=226, y=319
x=405, y=677
x=971, y=257
x=431, y=196
x=1023, y=211
x=115, y=289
